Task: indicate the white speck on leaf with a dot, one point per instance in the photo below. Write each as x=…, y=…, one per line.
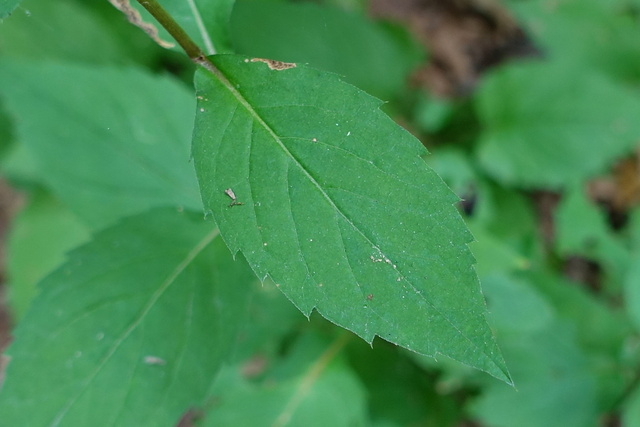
x=153, y=360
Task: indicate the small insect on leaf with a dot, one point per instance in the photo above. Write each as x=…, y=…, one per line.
x=234, y=201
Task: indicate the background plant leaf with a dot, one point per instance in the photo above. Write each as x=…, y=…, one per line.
x=607, y=34
x=40, y=236
x=129, y=153
x=631, y=410
x=552, y=374
x=42, y=29
x=206, y=22
x=377, y=59
x=310, y=386
x=544, y=128
x=632, y=290
x=582, y=229
x=147, y=310
x=339, y=208
x=7, y=6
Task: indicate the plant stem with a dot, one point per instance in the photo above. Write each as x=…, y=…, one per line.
x=189, y=46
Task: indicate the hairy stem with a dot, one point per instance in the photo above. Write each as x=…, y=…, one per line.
x=191, y=49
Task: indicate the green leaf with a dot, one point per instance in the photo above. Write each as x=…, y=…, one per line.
x=40, y=236
x=508, y=215
x=631, y=410
x=580, y=226
x=582, y=229
x=608, y=34
x=597, y=324
x=433, y=114
x=632, y=290
x=551, y=368
x=105, y=153
x=494, y=255
x=43, y=29
x=7, y=6
x=20, y=168
x=374, y=59
x=516, y=306
x=310, y=387
x=601, y=330
x=334, y=202
x=552, y=375
x=6, y=133
x=454, y=168
x=542, y=127
x=632, y=231
x=131, y=330
x=271, y=318
x=205, y=21
x=399, y=391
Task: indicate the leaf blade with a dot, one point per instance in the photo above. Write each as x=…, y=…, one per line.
x=7, y=7
x=137, y=312
x=530, y=142
x=205, y=21
x=130, y=154
x=313, y=34
x=310, y=386
x=305, y=181
x=42, y=234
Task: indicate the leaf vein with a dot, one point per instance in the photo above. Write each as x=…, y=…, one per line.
x=199, y=247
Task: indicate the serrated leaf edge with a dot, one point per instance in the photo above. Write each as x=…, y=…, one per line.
x=217, y=73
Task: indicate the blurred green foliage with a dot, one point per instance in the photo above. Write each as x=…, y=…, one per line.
x=539, y=127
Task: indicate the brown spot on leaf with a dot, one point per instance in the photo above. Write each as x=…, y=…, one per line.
x=275, y=65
